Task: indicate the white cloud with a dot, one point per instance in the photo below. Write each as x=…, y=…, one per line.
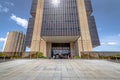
x=109, y=43
x=0, y=6
x=3, y=9
x=2, y=39
x=9, y=3
x=119, y=35
x=102, y=43
x=20, y=21
x=112, y=43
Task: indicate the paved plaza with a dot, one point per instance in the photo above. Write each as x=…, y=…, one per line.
x=46, y=69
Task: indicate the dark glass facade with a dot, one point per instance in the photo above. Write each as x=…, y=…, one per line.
x=29, y=32
x=60, y=18
x=93, y=31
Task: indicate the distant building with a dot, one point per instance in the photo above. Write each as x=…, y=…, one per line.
x=15, y=42
x=60, y=27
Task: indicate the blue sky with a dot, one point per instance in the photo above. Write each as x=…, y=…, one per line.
x=14, y=15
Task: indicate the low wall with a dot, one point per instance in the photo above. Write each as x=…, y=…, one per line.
x=106, y=53
x=97, y=54
x=86, y=54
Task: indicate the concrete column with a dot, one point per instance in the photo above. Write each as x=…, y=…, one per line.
x=19, y=42
x=49, y=47
x=85, y=39
x=36, y=38
x=76, y=49
x=72, y=49
x=43, y=48
x=79, y=46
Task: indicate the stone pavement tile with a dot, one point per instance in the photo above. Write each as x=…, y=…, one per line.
x=65, y=78
x=69, y=75
x=57, y=78
x=70, y=79
x=59, y=70
x=57, y=74
x=43, y=78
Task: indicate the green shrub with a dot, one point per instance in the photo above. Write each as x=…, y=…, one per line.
x=115, y=57
x=118, y=55
x=40, y=55
x=45, y=57
x=76, y=57
x=16, y=57
x=2, y=55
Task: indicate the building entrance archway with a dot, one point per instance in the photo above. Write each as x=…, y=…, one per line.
x=61, y=50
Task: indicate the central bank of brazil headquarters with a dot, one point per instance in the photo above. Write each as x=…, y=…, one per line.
x=61, y=27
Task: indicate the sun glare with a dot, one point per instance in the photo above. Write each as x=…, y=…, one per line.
x=55, y=2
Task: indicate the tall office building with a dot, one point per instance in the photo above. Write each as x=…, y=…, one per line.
x=61, y=27
x=15, y=42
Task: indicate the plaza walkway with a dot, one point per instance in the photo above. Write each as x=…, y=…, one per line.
x=59, y=70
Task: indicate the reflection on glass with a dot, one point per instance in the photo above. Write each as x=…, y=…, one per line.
x=55, y=2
